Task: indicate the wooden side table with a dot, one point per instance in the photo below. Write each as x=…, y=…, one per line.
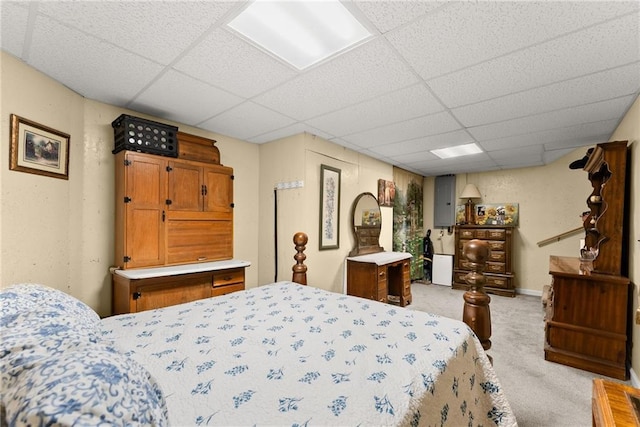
x=615, y=404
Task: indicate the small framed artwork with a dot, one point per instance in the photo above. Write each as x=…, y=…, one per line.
x=497, y=214
x=38, y=149
x=386, y=192
x=329, y=207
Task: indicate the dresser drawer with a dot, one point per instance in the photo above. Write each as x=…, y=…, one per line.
x=497, y=282
x=501, y=282
x=228, y=277
x=459, y=277
x=223, y=290
x=490, y=234
x=495, y=267
x=496, y=245
x=467, y=234
x=497, y=256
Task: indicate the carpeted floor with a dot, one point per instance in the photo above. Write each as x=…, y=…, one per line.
x=541, y=393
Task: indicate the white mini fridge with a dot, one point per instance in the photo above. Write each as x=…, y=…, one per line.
x=442, y=273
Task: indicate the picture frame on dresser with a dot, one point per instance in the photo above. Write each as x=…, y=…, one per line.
x=38, y=149
x=329, y=207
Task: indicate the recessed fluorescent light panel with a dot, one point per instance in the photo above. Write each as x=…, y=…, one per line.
x=457, y=151
x=300, y=32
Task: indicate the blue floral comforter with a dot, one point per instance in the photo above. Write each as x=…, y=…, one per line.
x=286, y=354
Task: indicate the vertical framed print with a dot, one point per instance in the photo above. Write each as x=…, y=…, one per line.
x=38, y=149
x=329, y=207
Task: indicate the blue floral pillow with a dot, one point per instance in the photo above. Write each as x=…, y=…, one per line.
x=30, y=297
x=89, y=386
x=36, y=322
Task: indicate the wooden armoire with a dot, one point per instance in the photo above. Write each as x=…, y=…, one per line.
x=588, y=322
x=174, y=227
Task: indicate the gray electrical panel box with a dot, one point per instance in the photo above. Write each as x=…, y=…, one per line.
x=444, y=203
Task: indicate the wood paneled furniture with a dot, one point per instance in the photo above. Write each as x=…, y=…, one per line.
x=174, y=227
x=588, y=323
x=173, y=211
x=142, y=289
x=499, y=274
x=614, y=404
x=587, y=319
x=606, y=227
x=382, y=276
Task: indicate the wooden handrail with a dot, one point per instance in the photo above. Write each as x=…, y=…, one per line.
x=560, y=236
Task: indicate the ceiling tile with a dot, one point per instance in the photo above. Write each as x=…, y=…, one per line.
x=469, y=33
x=552, y=156
x=235, y=122
x=363, y=73
x=388, y=15
x=410, y=129
x=407, y=103
x=598, y=111
x=164, y=99
x=558, y=137
x=284, y=132
x=419, y=145
x=583, y=90
x=543, y=64
x=90, y=66
x=518, y=156
x=141, y=27
x=230, y=63
x=14, y=19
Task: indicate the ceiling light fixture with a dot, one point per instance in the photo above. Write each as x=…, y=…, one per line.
x=302, y=33
x=457, y=151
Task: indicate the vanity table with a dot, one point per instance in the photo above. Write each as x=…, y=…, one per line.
x=371, y=272
x=383, y=276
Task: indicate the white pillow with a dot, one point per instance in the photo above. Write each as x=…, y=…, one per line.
x=88, y=386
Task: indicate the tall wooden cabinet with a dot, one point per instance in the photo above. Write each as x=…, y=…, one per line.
x=499, y=272
x=173, y=212
x=588, y=322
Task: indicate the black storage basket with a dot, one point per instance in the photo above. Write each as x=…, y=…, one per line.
x=136, y=134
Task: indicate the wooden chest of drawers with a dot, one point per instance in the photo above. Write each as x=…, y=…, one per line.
x=499, y=272
x=142, y=289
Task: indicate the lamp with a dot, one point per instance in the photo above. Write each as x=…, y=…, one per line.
x=470, y=192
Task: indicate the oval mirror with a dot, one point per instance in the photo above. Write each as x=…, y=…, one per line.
x=366, y=222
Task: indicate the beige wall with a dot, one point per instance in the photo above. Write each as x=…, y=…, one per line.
x=299, y=158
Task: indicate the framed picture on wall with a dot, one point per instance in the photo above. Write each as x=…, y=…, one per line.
x=329, y=207
x=38, y=149
x=386, y=192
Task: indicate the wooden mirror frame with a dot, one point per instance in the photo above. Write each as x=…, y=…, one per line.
x=367, y=236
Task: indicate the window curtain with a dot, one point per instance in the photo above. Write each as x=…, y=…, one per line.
x=408, y=218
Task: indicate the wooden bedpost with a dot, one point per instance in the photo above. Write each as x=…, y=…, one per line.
x=476, y=311
x=300, y=270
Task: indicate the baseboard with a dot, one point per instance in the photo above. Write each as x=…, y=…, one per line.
x=635, y=380
x=529, y=292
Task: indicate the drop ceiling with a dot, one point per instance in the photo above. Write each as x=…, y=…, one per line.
x=527, y=81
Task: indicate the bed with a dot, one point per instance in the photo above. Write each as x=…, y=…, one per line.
x=280, y=354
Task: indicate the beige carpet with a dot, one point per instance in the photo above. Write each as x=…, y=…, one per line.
x=541, y=393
